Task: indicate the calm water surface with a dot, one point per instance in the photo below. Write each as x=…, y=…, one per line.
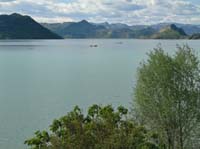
x=43, y=79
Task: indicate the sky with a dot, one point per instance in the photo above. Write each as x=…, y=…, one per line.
x=131, y=12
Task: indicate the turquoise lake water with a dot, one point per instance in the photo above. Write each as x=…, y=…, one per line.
x=44, y=79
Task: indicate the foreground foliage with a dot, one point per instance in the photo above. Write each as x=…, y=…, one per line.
x=102, y=128
x=167, y=96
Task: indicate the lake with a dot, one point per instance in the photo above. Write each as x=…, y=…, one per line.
x=44, y=79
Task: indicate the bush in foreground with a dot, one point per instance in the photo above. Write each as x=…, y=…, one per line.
x=102, y=128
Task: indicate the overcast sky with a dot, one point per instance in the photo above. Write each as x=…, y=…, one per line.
x=121, y=11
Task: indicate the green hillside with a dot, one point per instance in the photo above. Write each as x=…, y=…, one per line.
x=170, y=32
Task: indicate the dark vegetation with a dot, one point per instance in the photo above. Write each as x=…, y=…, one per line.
x=165, y=112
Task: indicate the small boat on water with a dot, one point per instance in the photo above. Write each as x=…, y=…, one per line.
x=94, y=46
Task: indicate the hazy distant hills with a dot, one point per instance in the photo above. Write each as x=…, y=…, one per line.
x=16, y=26
x=84, y=29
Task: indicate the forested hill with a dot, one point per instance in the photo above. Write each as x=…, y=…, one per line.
x=16, y=26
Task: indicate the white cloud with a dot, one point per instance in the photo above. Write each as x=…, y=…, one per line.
x=123, y=11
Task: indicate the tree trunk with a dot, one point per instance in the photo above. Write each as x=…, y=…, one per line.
x=181, y=138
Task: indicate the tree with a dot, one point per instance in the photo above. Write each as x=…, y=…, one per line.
x=102, y=128
x=167, y=95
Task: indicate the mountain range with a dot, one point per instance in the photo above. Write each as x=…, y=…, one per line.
x=16, y=26
x=85, y=29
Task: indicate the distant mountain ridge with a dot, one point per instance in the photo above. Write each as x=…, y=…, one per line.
x=16, y=26
x=85, y=29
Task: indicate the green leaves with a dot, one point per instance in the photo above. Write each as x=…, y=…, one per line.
x=40, y=140
x=167, y=94
x=102, y=127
